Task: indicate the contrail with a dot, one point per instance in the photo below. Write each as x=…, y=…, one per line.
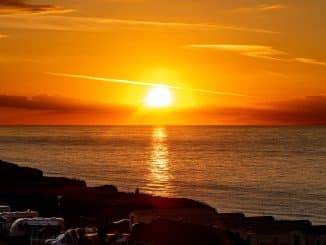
x=148, y=84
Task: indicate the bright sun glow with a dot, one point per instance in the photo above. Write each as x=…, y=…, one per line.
x=159, y=97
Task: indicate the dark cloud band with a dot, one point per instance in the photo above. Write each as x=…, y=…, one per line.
x=19, y=6
x=304, y=111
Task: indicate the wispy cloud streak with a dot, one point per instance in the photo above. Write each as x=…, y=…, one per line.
x=310, y=61
x=87, y=24
x=259, y=8
x=141, y=83
x=256, y=51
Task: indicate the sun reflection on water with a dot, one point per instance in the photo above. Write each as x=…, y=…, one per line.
x=159, y=163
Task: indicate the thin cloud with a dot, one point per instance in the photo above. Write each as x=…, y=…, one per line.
x=53, y=110
x=310, y=61
x=141, y=83
x=301, y=111
x=73, y=23
x=56, y=104
x=256, y=51
x=246, y=29
x=259, y=8
x=3, y=59
x=8, y=7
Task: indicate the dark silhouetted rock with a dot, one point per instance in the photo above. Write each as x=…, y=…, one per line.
x=107, y=188
x=12, y=172
x=27, y=188
x=172, y=232
x=14, y=176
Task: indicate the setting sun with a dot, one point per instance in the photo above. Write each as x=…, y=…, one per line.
x=159, y=97
x=187, y=116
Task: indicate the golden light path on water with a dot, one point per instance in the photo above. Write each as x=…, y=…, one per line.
x=159, y=176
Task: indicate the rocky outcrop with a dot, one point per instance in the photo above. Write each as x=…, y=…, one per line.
x=14, y=176
x=27, y=188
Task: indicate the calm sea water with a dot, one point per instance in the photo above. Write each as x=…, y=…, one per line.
x=278, y=171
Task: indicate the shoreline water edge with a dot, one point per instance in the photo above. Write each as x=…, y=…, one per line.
x=24, y=188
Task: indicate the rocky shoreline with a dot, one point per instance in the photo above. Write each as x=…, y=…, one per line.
x=27, y=188
x=137, y=218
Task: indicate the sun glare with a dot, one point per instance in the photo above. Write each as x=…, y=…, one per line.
x=159, y=97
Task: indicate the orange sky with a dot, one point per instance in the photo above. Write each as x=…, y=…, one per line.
x=271, y=54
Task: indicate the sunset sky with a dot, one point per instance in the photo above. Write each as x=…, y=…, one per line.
x=223, y=62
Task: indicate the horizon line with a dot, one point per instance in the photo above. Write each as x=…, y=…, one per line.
x=163, y=125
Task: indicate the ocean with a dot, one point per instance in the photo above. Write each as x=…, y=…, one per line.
x=278, y=171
